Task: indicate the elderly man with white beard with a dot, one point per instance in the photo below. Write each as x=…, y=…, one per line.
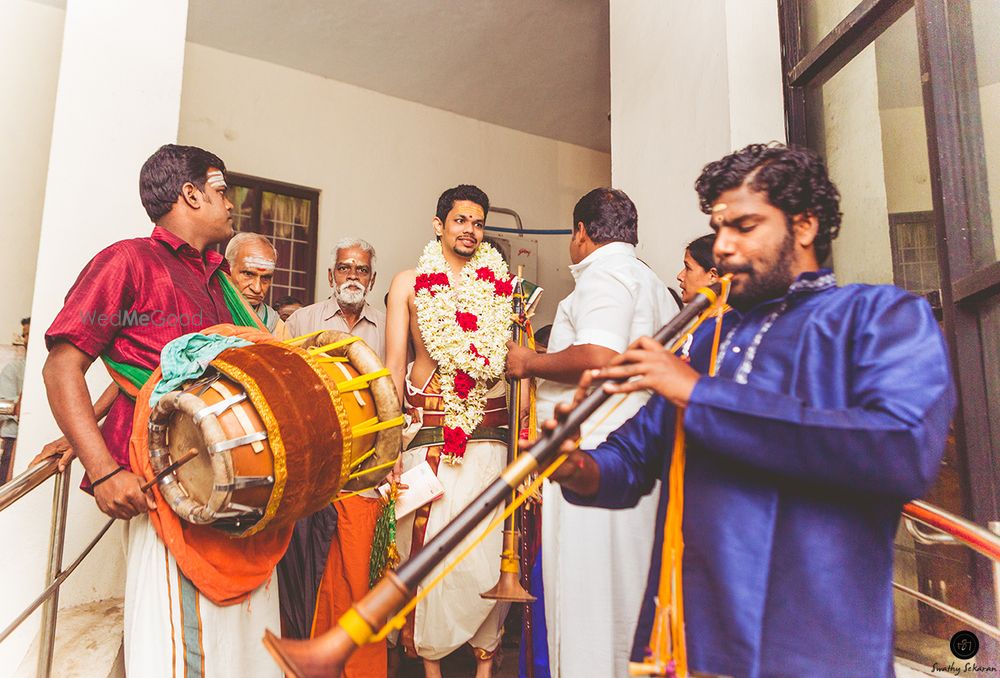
x=328, y=560
x=351, y=277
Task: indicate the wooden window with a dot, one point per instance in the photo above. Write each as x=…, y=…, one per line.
x=288, y=215
x=914, y=254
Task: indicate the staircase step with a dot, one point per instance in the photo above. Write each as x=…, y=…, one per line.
x=88, y=643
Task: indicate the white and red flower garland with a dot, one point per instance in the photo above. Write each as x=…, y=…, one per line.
x=464, y=325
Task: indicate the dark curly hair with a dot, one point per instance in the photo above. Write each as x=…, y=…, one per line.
x=461, y=192
x=793, y=178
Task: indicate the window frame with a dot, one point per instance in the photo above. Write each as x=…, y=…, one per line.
x=956, y=154
x=259, y=185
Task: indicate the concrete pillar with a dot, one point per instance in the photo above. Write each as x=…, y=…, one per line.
x=30, y=33
x=689, y=82
x=117, y=100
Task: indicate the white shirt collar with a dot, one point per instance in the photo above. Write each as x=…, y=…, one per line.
x=602, y=252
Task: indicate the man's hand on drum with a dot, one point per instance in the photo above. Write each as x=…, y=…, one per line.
x=121, y=496
x=649, y=366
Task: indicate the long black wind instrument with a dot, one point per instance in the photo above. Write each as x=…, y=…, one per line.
x=326, y=655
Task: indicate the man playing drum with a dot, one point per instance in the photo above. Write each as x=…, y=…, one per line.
x=128, y=302
x=455, y=308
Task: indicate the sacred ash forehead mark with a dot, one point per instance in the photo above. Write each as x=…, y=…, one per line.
x=258, y=262
x=717, y=210
x=216, y=179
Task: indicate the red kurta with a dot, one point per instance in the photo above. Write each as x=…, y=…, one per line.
x=129, y=301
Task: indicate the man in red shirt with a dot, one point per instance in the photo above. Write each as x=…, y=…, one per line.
x=131, y=299
x=128, y=302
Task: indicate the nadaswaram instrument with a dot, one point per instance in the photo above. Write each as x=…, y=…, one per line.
x=327, y=654
x=508, y=587
x=278, y=430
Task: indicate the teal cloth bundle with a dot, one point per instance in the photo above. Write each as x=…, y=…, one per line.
x=187, y=357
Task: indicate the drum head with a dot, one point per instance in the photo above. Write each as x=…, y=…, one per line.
x=197, y=476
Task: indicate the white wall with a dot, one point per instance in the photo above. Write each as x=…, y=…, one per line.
x=689, y=83
x=904, y=150
x=30, y=43
x=855, y=160
x=907, y=171
x=379, y=161
x=989, y=101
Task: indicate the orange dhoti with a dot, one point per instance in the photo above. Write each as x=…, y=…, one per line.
x=345, y=579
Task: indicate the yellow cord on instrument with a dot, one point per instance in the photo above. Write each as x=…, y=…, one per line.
x=342, y=497
x=670, y=594
x=397, y=622
x=362, y=381
x=335, y=345
x=360, y=460
x=373, y=425
x=303, y=337
x=358, y=474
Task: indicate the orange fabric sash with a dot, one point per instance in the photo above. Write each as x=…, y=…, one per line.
x=224, y=569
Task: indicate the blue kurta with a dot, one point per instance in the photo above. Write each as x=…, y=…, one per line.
x=829, y=411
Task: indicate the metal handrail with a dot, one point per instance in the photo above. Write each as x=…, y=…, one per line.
x=54, y=574
x=27, y=481
x=974, y=536
x=951, y=529
x=509, y=212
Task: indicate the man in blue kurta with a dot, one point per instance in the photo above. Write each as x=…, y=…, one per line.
x=829, y=410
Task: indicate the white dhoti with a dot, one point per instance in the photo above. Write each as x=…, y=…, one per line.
x=594, y=567
x=453, y=613
x=173, y=631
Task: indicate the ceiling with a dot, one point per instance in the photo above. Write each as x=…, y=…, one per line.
x=538, y=67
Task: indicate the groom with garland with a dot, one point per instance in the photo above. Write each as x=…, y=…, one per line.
x=455, y=309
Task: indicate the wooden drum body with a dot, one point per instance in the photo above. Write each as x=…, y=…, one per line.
x=279, y=431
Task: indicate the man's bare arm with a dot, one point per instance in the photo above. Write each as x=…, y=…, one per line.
x=397, y=328
x=61, y=445
x=566, y=366
x=121, y=496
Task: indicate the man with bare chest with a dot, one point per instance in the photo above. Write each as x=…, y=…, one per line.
x=455, y=309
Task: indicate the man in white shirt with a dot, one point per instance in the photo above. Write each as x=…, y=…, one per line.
x=594, y=560
x=351, y=276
